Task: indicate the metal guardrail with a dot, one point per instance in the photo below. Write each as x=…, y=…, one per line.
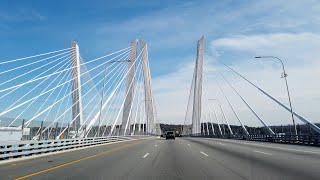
x=308, y=140
x=27, y=148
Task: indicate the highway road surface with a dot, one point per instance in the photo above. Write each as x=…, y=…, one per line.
x=183, y=158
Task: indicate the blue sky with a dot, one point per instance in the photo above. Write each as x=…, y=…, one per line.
x=236, y=31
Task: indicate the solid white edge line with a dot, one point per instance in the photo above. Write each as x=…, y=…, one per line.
x=221, y=144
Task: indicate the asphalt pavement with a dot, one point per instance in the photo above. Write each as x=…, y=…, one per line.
x=183, y=158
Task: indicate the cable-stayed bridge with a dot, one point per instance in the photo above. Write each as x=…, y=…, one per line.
x=67, y=97
x=66, y=117
x=201, y=109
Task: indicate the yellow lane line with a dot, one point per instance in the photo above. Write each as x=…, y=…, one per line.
x=72, y=162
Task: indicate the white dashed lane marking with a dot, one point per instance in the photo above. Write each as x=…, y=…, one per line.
x=262, y=153
x=145, y=155
x=204, y=153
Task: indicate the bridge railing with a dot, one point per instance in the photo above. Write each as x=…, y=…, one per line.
x=310, y=140
x=10, y=150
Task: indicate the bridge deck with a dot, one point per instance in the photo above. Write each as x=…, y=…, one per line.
x=184, y=158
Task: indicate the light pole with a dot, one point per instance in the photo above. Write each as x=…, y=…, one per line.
x=285, y=77
x=103, y=87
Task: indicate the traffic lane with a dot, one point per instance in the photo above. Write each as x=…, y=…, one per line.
x=268, y=163
x=305, y=155
x=174, y=159
x=110, y=165
x=27, y=166
x=313, y=152
x=254, y=163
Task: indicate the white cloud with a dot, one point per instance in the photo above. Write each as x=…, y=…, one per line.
x=172, y=92
x=296, y=49
x=21, y=15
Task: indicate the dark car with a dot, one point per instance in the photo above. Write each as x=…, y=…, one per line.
x=170, y=135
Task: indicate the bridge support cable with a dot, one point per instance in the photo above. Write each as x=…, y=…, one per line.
x=13, y=90
x=225, y=118
x=77, y=131
x=222, y=113
x=238, y=118
x=61, y=67
x=59, y=109
x=121, y=95
x=138, y=103
x=64, y=113
x=122, y=106
x=49, y=96
x=206, y=114
x=83, y=95
x=143, y=121
x=50, y=91
x=27, y=123
x=84, y=107
x=47, y=114
x=30, y=91
x=33, y=69
x=210, y=86
x=264, y=123
x=116, y=97
x=43, y=77
x=186, y=130
x=207, y=124
x=20, y=59
x=215, y=114
x=111, y=95
x=103, y=118
x=48, y=82
x=29, y=64
x=101, y=101
x=105, y=104
x=97, y=115
x=312, y=125
x=121, y=69
x=58, y=76
x=55, y=100
x=116, y=103
x=62, y=102
x=130, y=112
x=220, y=105
x=118, y=74
x=206, y=93
x=203, y=122
x=123, y=51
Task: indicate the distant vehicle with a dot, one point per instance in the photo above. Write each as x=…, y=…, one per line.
x=163, y=135
x=170, y=135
